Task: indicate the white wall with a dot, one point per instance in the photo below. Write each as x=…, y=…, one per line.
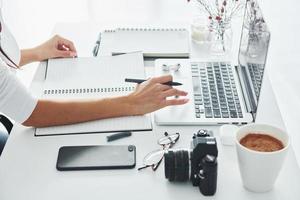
x=31, y=22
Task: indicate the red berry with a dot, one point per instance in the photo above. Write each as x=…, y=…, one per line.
x=218, y=18
x=224, y=3
x=210, y=17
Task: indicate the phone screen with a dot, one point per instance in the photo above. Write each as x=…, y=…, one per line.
x=96, y=157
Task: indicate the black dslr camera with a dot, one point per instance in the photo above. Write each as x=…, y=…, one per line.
x=199, y=164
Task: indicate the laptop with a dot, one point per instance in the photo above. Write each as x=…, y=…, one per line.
x=219, y=92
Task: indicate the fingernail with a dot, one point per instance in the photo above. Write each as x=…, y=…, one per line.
x=73, y=54
x=186, y=100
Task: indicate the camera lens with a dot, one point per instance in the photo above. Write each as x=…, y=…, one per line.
x=181, y=165
x=177, y=165
x=186, y=166
x=170, y=165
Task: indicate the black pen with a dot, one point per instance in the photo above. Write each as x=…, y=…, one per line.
x=170, y=83
x=97, y=45
x=117, y=136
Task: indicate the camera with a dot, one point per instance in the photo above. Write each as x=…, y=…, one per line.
x=198, y=164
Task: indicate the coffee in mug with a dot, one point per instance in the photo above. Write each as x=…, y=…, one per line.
x=261, y=142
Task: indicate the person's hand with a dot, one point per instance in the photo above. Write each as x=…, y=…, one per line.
x=56, y=47
x=152, y=95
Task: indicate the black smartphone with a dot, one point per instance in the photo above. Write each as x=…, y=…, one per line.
x=96, y=157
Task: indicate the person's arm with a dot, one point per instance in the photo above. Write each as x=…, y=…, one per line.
x=50, y=113
x=148, y=97
x=56, y=47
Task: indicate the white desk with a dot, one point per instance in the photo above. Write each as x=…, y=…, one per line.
x=27, y=165
x=284, y=51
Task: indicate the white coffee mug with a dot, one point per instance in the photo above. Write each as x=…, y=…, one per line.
x=259, y=170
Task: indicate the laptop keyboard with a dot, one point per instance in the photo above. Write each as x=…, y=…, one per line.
x=256, y=74
x=215, y=92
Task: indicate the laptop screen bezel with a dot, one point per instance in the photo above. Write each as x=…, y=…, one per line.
x=251, y=101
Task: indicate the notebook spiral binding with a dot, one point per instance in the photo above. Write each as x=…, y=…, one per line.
x=109, y=31
x=87, y=90
x=144, y=29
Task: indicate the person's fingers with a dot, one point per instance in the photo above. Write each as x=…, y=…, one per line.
x=64, y=54
x=174, y=92
x=161, y=79
x=173, y=102
x=162, y=87
x=63, y=47
x=70, y=45
x=66, y=43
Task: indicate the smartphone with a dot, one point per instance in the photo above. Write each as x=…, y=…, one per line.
x=96, y=157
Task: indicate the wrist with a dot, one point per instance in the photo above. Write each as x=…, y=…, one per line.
x=118, y=106
x=36, y=54
x=133, y=104
x=128, y=105
x=28, y=56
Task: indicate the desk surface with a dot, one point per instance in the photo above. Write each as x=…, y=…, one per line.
x=28, y=171
x=27, y=166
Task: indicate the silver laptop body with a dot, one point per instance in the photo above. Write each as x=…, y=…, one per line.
x=219, y=92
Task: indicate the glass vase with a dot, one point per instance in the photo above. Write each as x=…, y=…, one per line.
x=221, y=41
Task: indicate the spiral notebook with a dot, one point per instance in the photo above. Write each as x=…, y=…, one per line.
x=96, y=77
x=153, y=42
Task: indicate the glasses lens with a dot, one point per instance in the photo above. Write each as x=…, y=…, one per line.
x=168, y=139
x=153, y=157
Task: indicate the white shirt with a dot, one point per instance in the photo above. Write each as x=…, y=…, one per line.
x=16, y=101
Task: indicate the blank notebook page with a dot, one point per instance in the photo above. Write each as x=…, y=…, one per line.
x=93, y=73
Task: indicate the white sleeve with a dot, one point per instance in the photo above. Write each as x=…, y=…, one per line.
x=15, y=100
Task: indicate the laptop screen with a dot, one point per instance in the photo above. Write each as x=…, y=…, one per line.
x=253, y=51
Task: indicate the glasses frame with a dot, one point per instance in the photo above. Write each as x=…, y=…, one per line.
x=164, y=148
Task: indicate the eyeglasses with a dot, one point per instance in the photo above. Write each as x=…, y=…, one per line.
x=174, y=67
x=14, y=65
x=154, y=158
